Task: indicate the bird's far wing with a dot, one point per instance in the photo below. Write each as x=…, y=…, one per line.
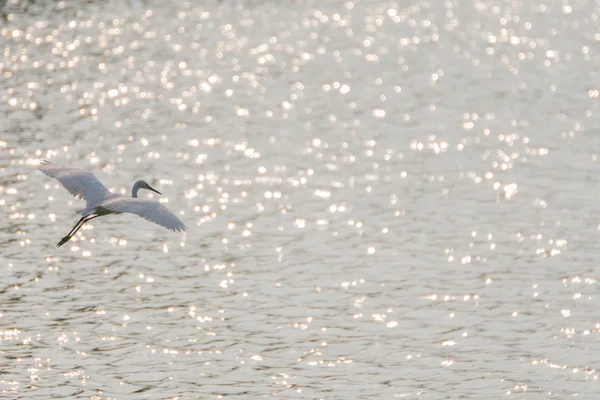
x=80, y=183
x=149, y=209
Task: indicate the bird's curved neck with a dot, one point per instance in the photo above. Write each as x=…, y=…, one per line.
x=136, y=186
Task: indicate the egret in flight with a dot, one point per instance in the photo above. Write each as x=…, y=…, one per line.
x=100, y=201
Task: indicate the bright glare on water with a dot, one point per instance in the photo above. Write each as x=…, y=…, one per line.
x=384, y=199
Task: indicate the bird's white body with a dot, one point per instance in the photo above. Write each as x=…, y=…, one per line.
x=151, y=210
x=101, y=201
x=92, y=208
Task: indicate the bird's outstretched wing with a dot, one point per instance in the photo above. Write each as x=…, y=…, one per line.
x=80, y=183
x=149, y=209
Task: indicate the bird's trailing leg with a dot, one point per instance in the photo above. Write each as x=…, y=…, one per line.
x=73, y=231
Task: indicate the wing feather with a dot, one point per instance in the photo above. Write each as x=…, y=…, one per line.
x=151, y=210
x=80, y=183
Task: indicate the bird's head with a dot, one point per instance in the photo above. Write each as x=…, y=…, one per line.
x=144, y=185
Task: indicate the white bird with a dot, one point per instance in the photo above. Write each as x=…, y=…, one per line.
x=100, y=201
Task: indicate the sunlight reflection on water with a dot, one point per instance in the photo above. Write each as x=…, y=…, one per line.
x=384, y=200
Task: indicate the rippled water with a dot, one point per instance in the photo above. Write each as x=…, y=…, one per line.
x=385, y=200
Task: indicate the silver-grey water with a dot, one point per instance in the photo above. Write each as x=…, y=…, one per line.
x=385, y=199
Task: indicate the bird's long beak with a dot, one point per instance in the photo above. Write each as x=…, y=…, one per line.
x=154, y=190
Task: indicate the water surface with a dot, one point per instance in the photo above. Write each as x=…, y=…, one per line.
x=385, y=200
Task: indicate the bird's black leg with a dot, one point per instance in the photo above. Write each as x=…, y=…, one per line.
x=66, y=238
x=73, y=231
